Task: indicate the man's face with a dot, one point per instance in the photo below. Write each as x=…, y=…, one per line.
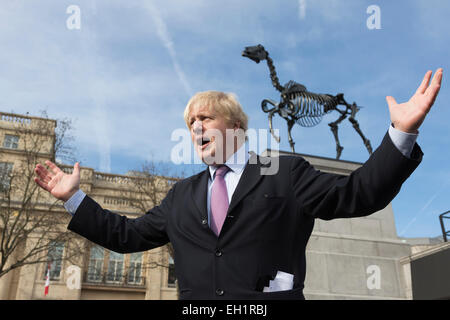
x=209, y=135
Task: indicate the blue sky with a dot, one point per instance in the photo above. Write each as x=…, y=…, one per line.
x=125, y=76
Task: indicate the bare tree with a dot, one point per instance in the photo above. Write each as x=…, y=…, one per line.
x=64, y=149
x=31, y=221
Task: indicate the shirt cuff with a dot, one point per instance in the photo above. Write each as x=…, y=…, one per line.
x=403, y=141
x=74, y=202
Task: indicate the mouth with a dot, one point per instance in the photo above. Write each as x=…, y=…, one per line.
x=203, y=142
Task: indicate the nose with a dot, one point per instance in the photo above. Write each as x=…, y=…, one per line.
x=197, y=127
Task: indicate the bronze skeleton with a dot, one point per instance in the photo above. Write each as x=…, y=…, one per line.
x=300, y=106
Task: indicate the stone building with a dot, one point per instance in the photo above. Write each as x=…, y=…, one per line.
x=103, y=274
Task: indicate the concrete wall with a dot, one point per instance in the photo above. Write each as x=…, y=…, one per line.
x=340, y=267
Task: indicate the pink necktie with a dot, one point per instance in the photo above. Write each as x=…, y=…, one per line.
x=219, y=200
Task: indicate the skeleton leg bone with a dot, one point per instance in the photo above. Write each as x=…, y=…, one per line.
x=271, y=112
x=270, y=125
x=267, y=101
x=291, y=141
x=356, y=126
x=334, y=129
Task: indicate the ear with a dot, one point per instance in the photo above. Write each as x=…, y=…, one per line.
x=237, y=125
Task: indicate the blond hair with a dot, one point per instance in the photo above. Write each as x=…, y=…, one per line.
x=222, y=103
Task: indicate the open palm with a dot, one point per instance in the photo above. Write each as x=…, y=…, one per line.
x=409, y=116
x=61, y=185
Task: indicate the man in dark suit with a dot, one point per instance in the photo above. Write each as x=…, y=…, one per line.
x=237, y=232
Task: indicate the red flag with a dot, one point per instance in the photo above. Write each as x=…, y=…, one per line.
x=47, y=280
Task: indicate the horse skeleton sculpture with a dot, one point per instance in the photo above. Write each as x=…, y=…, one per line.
x=300, y=106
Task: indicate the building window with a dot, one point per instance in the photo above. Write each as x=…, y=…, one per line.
x=96, y=264
x=135, y=268
x=118, y=273
x=115, y=267
x=5, y=175
x=54, y=259
x=11, y=142
x=171, y=279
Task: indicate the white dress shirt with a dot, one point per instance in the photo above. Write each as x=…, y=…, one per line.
x=403, y=141
x=237, y=164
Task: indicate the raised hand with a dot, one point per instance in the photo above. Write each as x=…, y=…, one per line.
x=61, y=185
x=408, y=116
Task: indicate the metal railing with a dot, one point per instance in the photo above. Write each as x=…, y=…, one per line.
x=445, y=233
x=106, y=279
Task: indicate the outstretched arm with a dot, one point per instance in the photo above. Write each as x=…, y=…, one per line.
x=375, y=184
x=110, y=230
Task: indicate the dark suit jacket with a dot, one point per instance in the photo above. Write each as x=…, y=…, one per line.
x=269, y=222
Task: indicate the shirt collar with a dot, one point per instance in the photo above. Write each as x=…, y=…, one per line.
x=236, y=162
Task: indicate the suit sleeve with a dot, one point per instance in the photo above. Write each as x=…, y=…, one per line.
x=119, y=233
x=366, y=190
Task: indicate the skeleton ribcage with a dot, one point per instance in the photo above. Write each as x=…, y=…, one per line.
x=308, y=108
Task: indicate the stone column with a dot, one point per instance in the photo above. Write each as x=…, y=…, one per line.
x=153, y=275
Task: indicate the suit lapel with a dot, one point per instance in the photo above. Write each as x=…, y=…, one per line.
x=249, y=179
x=200, y=191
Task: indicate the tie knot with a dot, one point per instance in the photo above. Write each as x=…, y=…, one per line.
x=222, y=170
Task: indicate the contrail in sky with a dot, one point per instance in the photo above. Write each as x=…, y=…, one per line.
x=424, y=207
x=302, y=9
x=166, y=39
x=97, y=86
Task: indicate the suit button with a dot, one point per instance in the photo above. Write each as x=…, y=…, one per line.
x=218, y=253
x=204, y=221
x=220, y=292
x=266, y=195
